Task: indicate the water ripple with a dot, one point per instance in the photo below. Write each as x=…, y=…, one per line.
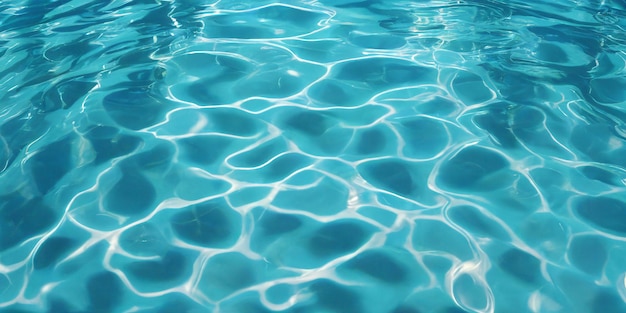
x=308, y=156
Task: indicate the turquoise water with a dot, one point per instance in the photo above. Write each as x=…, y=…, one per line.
x=312, y=156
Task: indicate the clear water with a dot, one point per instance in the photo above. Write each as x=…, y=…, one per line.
x=312, y=156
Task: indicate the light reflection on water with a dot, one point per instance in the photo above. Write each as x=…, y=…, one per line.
x=315, y=156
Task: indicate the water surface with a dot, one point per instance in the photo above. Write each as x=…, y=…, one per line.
x=312, y=156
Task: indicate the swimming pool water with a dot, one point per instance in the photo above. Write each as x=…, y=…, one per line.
x=312, y=156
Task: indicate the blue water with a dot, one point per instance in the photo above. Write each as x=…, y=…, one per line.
x=312, y=156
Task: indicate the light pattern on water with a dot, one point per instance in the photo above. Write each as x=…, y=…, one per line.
x=312, y=156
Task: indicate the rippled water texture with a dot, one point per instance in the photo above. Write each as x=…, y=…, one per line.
x=312, y=156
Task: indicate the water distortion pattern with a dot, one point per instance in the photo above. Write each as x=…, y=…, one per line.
x=312, y=156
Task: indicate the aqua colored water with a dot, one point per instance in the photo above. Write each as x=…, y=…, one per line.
x=312, y=156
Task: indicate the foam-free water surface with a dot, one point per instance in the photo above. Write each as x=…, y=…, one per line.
x=312, y=156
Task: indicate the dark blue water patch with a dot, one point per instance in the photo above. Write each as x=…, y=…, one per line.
x=370, y=141
x=607, y=214
x=216, y=68
x=21, y=66
x=64, y=94
x=393, y=175
x=470, y=88
x=235, y=122
x=79, y=26
x=547, y=178
x=383, y=73
x=383, y=42
x=134, y=108
x=246, y=306
x=607, y=300
x=205, y=91
x=424, y=137
x=584, y=294
x=3, y=44
x=227, y=273
x=52, y=250
x=156, y=20
x=338, y=238
x=280, y=292
x=33, y=60
x=379, y=265
x=339, y=93
x=271, y=227
x=433, y=300
x=273, y=223
x=18, y=132
x=608, y=90
x=331, y=144
x=527, y=119
x=611, y=115
x=51, y=163
x=14, y=310
x=135, y=57
x=477, y=223
x=453, y=310
x=144, y=239
x=607, y=64
x=88, y=12
x=588, y=253
x=529, y=126
x=321, y=50
x=57, y=305
x=29, y=15
x=145, y=77
x=172, y=266
x=405, y=309
x=176, y=302
x=109, y=142
x=72, y=50
x=204, y=149
x=332, y=296
x=496, y=122
x=42, y=81
x=602, y=175
x=312, y=123
x=400, y=23
x=156, y=160
x=217, y=74
x=105, y=292
x=551, y=52
x=21, y=219
x=132, y=195
x=210, y=224
x=351, y=4
x=468, y=167
x=191, y=185
x=579, y=36
x=521, y=265
x=513, y=85
x=324, y=197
